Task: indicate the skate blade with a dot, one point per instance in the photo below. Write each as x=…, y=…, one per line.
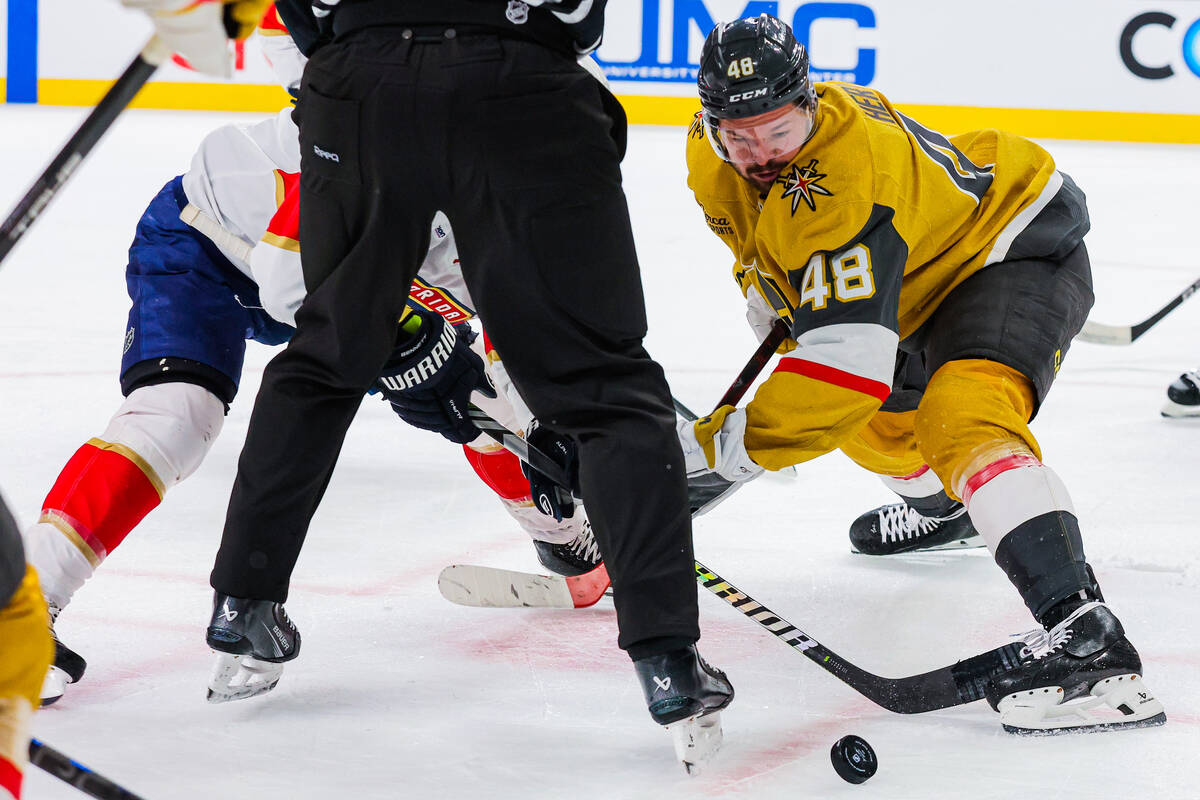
x=54, y=685
x=971, y=543
x=1122, y=701
x=697, y=739
x=239, y=677
x=1181, y=413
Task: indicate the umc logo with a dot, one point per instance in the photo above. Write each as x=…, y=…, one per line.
x=670, y=59
x=1158, y=69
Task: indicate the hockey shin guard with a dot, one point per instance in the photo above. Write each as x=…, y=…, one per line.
x=1023, y=511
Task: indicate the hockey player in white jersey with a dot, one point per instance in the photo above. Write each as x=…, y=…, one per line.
x=215, y=262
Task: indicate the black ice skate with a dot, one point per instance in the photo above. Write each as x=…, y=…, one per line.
x=685, y=694
x=575, y=557
x=900, y=528
x=1183, y=396
x=68, y=666
x=252, y=639
x=1082, y=674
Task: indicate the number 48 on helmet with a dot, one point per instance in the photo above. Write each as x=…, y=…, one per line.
x=749, y=68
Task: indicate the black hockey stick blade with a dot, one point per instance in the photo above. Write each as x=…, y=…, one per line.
x=43, y=190
x=1099, y=333
x=964, y=682
x=76, y=774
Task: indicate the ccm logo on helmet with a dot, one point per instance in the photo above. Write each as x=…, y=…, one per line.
x=737, y=98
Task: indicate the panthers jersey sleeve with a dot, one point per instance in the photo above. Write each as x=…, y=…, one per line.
x=276, y=268
x=232, y=179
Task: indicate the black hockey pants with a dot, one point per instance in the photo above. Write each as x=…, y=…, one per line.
x=521, y=148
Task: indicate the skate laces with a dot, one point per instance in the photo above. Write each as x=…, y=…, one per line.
x=901, y=521
x=584, y=546
x=1040, y=643
x=54, y=610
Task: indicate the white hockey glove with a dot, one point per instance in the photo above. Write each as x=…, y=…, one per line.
x=716, y=444
x=200, y=30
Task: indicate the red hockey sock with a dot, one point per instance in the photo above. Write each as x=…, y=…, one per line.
x=10, y=777
x=500, y=470
x=100, y=495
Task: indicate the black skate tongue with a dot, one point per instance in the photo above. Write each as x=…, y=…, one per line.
x=1094, y=631
x=69, y=661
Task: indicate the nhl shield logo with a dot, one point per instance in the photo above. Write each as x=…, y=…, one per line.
x=517, y=13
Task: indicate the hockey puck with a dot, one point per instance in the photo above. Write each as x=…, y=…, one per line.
x=853, y=759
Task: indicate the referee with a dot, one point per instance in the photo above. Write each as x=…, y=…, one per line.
x=477, y=108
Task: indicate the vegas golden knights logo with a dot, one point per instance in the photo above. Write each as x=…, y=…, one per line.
x=803, y=183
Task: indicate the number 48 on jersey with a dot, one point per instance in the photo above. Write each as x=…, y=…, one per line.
x=846, y=275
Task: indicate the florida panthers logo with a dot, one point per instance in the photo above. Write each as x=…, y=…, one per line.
x=803, y=183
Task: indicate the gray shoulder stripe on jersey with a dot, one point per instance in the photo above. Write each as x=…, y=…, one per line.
x=971, y=179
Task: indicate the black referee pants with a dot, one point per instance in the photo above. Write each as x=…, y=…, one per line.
x=12, y=555
x=520, y=148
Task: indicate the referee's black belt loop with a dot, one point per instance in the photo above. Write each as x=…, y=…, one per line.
x=426, y=35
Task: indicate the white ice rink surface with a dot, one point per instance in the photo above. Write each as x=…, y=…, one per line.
x=397, y=693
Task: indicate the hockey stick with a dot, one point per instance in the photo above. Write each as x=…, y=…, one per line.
x=1098, y=333
x=766, y=349
x=492, y=587
x=704, y=492
x=488, y=587
x=683, y=410
x=43, y=190
x=779, y=332
x=76, y=774
x=964, y=682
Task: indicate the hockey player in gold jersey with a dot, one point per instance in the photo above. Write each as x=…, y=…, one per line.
x=25, y=653
x=933, y=285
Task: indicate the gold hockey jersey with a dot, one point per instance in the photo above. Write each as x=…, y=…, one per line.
x=873, y=223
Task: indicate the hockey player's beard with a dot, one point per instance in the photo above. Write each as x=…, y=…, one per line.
x=761, y=176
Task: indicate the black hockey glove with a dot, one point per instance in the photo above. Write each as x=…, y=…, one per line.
x=430, y=377
x=584, y=18
x=550, y=498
